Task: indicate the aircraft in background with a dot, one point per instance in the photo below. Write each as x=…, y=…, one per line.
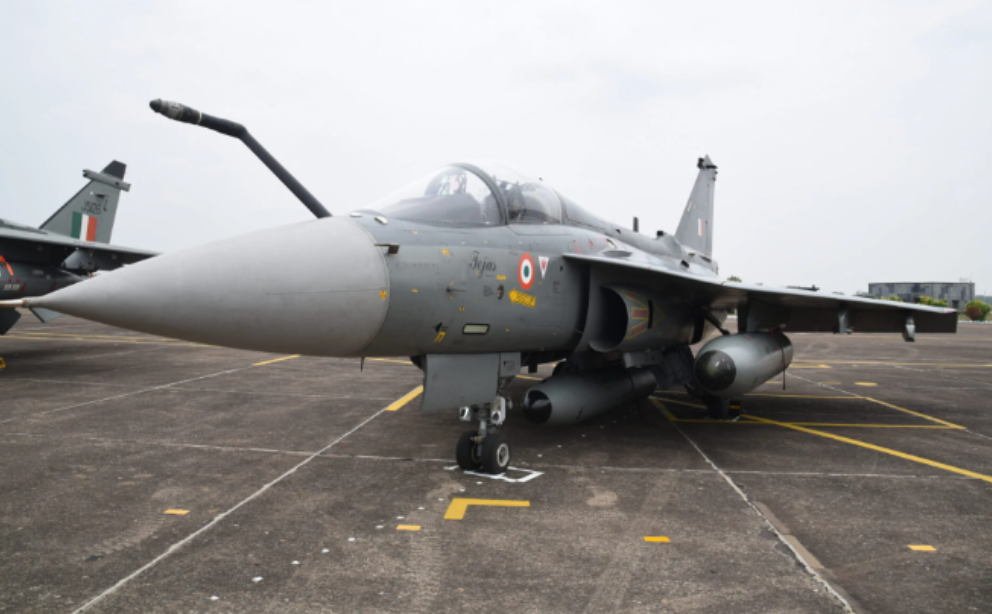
x=70, y=245
x=477, y=272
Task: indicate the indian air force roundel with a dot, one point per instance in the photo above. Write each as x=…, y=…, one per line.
x=525, y=271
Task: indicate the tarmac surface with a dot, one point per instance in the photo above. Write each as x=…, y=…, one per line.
x=141, y=474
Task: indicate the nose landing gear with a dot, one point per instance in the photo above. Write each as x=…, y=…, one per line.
x=485, y=449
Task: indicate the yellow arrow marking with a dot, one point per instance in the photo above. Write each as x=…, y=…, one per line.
x=458, y=507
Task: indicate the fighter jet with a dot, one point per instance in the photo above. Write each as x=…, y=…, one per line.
x=477, y=272
x=72, y=244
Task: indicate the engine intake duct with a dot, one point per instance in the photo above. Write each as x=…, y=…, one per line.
x=635, y=318
x=573, y=397
x=732, y=365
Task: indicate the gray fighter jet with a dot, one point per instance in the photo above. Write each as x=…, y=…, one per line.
x=72, y=244
x=477, y=272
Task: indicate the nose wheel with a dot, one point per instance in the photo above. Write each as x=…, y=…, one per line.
x=486, y=449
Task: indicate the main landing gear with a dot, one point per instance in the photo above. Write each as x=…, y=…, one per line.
x=718, y=408
x=485, y=449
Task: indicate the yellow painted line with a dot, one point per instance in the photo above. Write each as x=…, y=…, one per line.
x=866, y=384
x=408, y=527
x=458, y=507
x=800, y=396
x=402, y=362
x=867, y=426
x=176, y=512
x=656, y=539
x=904, y=364
x=696, y=405
x=922, y=548
x=406, y=398
x=871, y=446
x=269, y=362
x=915, y=413
x=830, y=383
x=810, y=367
x=536, y=379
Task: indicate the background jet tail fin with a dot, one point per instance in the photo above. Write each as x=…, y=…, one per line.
x=89, y=215
x=696, y=227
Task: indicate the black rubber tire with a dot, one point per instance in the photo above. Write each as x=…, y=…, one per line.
x=495, y=454
x=717, y=408
x=736, y=409
x=468, y=453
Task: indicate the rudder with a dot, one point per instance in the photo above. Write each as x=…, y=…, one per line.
x=90, y=214
x=696, y=227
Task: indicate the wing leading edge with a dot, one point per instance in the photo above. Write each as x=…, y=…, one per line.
x=791, y=310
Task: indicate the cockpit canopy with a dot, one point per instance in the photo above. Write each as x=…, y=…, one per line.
x=487, y=194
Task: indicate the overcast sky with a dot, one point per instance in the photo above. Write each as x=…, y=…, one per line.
x=853, y=138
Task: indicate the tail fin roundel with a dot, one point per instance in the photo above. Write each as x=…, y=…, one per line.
x=696, y=227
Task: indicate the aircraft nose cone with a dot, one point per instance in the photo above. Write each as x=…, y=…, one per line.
x=317, y=288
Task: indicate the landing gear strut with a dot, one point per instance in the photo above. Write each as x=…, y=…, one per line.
x=718, y=408
x=485, y=449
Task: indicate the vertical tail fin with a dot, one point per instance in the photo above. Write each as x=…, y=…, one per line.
x=696, y=227
x=89, y=215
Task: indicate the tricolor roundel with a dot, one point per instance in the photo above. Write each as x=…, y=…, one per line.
x=525, y=271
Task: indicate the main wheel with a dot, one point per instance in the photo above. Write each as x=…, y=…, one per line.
x=468, y=453
x=495, y=454
x=717, y=408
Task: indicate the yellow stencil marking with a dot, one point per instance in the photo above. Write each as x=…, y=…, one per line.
x=871, y=446
x=269, y=362
x=521, y=298
x=446, y=252
x=403, y=400
x=659, y=539
x=382, y=294
x=865, y=384
x=176, y=512
x=440, y=337
x=922, y=548
x=415, y=290
x=501, y=277
x=408, y=527
x=458, y=507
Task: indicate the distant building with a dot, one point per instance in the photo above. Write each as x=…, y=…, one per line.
x=957, y=294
